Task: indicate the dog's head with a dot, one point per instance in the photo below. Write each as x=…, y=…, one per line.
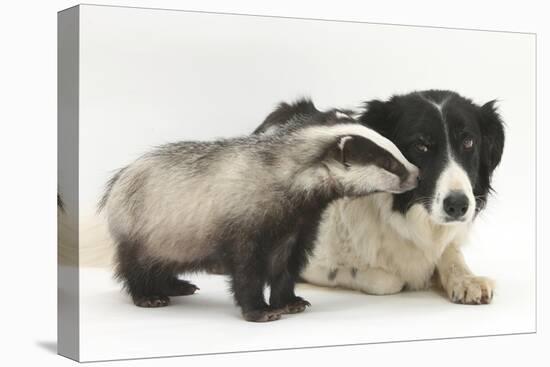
x=455, y=143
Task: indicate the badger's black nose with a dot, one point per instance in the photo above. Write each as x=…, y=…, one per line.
x=455, y=204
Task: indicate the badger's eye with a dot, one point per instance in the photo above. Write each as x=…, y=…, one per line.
x=421, y=147
x=468, y=143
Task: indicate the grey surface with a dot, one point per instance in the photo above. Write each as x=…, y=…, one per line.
x=67, y=156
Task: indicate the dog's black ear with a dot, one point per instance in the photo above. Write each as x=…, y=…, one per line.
x=492, y=132
x=380, y=116
x=492, y=143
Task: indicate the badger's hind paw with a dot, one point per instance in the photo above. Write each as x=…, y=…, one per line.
x=263, y=315
x=182, y=288
x=151, y=301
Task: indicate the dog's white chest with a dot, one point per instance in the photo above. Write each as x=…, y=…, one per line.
x=363, y=244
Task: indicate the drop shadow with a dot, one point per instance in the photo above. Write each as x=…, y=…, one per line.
x=49, y=346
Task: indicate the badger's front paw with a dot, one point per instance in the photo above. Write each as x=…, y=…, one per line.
x=151, y=301
x=262, y=315
x=471, y=290
x=298, y=304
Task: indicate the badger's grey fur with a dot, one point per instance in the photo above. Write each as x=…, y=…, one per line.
x=250, y=203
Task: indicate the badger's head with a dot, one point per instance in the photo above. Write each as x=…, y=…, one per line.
x=455, y=143
x=358, y=161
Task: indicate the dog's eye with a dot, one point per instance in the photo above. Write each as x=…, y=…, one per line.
x=468, y=143
x=421, y=147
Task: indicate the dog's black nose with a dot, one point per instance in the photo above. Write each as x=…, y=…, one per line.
x=455, y=204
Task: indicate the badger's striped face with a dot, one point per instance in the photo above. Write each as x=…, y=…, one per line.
x=455, y=143
x=362, y=161
x=372, y=164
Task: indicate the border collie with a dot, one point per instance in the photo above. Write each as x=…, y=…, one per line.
x=385, y=243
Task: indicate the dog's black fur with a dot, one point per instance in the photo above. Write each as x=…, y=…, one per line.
x=409, y=121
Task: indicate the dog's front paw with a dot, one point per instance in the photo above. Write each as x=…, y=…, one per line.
x=471, y=290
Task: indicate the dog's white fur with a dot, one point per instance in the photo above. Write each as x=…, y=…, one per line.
x=453, y=178
x=363, y=244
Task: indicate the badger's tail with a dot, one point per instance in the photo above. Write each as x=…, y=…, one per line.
x=108, y=187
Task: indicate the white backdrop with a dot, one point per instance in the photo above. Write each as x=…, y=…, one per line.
x=152, y=76
x=28, y=32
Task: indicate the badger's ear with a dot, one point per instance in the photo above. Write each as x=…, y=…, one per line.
x=354, y=149
x=492, y=143
x=380, y=116
x=342, y=150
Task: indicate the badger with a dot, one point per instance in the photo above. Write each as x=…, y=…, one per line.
x=249, y=203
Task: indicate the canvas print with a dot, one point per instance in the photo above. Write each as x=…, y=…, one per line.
x=233, y=183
